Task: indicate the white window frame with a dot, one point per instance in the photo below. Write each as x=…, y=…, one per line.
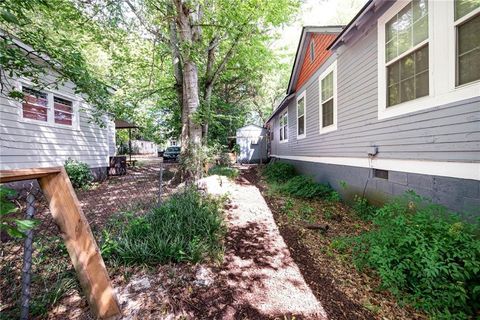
x=299, y=97
x=441, y=51
x=51, y=110
x=455, y=25
x=283, y=114
x=333, y=126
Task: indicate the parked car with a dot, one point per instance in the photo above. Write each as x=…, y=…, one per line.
x=171, y=154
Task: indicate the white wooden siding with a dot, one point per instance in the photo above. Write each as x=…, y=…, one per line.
x=36, y=144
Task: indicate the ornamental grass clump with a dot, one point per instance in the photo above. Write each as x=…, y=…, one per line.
x=226, y=171
x=279, y=172
x=187, y=227
x=425, y=255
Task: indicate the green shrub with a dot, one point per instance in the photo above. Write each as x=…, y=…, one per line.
x=363, y=208
x=79, y=173
x=229, y=172
x=305, y=187
x=279, y=172
x=424, y=255
x=187, y=227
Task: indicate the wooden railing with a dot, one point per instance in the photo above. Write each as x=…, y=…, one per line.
x=77, y=235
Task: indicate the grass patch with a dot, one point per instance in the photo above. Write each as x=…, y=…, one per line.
x=52, y=278
x=226, y=171
x=187, y=227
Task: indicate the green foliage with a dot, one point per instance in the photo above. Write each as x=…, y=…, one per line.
x=14, y=227
x=305, y=187
x=54, y=29
x=279, y=172
x=229, y=172
x=187, y=227
x=79, y=173
x=424, y=255
x=363, y=208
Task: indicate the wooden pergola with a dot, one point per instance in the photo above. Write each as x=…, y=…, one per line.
x=122, y=124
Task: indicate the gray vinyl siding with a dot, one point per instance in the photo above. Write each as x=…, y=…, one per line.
x=36, y=144
x=441, y=133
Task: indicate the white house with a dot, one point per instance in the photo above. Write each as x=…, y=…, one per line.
x=144, y=147
x=50, y=126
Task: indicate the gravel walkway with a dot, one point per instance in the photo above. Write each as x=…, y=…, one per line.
x=261, y=280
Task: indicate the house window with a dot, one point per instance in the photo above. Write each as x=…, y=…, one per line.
x=406, y=53
x=284, y=127
x=301, y=116
x=328, y=99
x=63, y=111
x=35, y=105
x=467, y=24
x=425, y=62
x=312, y=50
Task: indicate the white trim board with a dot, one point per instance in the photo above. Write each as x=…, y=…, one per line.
x=462, y=170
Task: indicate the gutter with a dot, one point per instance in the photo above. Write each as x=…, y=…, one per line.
x=352, y=24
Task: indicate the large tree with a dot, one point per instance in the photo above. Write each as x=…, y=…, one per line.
x=204, y=38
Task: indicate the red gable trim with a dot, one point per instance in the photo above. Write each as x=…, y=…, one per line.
x=302, y=48
x=321, y=42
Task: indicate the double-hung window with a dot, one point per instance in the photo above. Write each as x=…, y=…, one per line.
x=406, y=53
x=467, y=29
x=301, y=116
x=35, y=105
x=47, y=107
x=428, y=55
x=283, y=127
x=63, y=111
x=328, y=99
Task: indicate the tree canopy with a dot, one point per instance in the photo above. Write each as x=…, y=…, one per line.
x=198, y=69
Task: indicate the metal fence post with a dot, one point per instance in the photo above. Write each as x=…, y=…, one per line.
x=27, y=261
x=160, y=186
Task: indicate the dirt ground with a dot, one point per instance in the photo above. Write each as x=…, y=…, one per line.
x=273, y=268
x=344, y=292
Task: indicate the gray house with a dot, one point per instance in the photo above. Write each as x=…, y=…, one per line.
x=252, y=142
x=388, y=103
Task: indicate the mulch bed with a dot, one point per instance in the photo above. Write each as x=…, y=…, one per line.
x=344, y=292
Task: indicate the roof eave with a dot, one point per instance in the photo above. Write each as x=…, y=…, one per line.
x=300, y=54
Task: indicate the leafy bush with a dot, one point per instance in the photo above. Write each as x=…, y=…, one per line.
x=187, y=227
x=229, y=172
x=14, y=227
x=79, y=173
x=425, y=256
x=279, y=172
x=305, y=187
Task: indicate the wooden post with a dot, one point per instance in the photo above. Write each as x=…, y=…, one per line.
x=78, y=237
x=81, y=245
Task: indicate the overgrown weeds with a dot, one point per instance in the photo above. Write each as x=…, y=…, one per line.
x=283, y=180
x=425, y=255
x=187, y=227
x=279, y=172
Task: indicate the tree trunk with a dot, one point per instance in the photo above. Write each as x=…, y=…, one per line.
x=191, y=131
